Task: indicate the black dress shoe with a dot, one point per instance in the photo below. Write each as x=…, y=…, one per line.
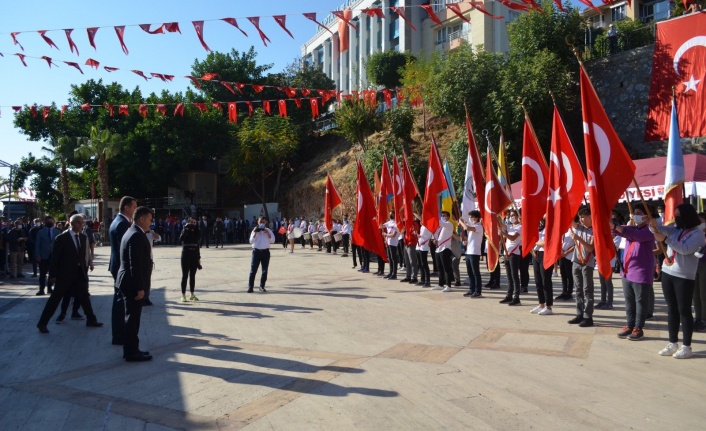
x=576, y=320
x=262, y=289
x=94, y=324
x=146, y=303
x=413, y=281
x=405, y=280
x=250, y=290
x=40, y=293
x=394, y=277
x=586, y=322
x=506, y=300
x=43, y=329
x=117, y=342
x=138, y=358
x=469, y=293
x=514, y=302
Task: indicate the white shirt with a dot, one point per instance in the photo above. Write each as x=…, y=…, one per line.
x=475, y=239
x=346, y=229
x=513, y=246
x=424, y=238
x=302, y=225
x=568, y=242
x=538, y=247
x=391, y=228
x=260, y=241
x=443, y=235
x=336, y=227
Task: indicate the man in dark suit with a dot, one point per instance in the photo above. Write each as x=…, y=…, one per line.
x=134, y=279
x=120, y=225
x=42, y=252
x=69, y=272
x=203, y=229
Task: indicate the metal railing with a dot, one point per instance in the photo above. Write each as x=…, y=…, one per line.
x=594, y=47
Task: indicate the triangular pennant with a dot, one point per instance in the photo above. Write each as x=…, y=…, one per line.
x=109, y=107
x=373, y=12
x=142, y=109
x=123, y=109
x=456, y=9
x=87, y=107
x=172, y=27
x=217, y=105
x=282, y=21
x=255, y=20
x=194, y=81
x=72, y=45
x=22, y=58
x=162, y=109
x=198, y=26
x=179, y=109
x=158, y=30
x=312, y=16
x=399, y=10
x=282, y=105
x=71, y=63
x=209, y=76
x=14, y=39
x=47, y=39
x=249, y=108
x=63, y=109
x=234, y=23
x=120, y=31
x=200, y=106
x=17, y=108
x=266, y=107
x=228, y=86
x=291, y=92
x=342, y=17
x=298, y=102
x=91, y=31
x=430, y=10
x=33, y=110
x=92, y=63
x=48, y=60
x=140, y=73
x=110, y=69
x=258, y=88
x=158, y=76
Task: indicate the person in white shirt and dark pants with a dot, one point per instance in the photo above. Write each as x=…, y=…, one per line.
x=261, y=238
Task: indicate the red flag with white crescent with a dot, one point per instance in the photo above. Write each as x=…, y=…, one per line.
x=255, y=20
x=47, y=39
x=398, y=193
x=232, y=112
x=495, y=201
x=331, y=200
x=120, y=31
x=234, y=23
x=198, y=26
x=91, y=31
x=436, y=183
x=386, y=194
x=366, y=230
x=534, y=188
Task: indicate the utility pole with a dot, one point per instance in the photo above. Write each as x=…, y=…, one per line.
x=13, y=168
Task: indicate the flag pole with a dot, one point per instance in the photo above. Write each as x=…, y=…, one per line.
x=495, y=159
x=627, y=199
x=531, y=127
x=649, y=216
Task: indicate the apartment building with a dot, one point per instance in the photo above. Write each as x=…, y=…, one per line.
x=643, y=10
x=376, y=34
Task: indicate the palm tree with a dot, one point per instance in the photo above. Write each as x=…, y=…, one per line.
x=61, y=150
x=101, y=146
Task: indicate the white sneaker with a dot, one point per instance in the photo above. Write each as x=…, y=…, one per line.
x=546, y=311
x=684, y=352
x=437, y=287
x=669, y=350
x=536, y=309
x=446, y=289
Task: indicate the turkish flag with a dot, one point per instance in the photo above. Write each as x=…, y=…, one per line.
x=495, y=201
x=534, y=187
x=331, y=200
x=397, y=190
x=386, y=192
x=232, y=112
x=409, y=192
x=610, y=170
x=366, y=231
x=436, y=183
x=680, y=61
x=566, y=189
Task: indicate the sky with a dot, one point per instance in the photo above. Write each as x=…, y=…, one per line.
x=170, y=53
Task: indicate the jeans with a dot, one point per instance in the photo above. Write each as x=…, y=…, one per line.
x=635, y=303
x=512, y=268
x=473, y=270
x=583, y=280
x=606, y=290
x=259, y=258
x=567, y=277
x=543, y=280
x=678, y=292
x=423, y=265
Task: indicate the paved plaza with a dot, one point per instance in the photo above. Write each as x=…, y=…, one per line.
x=330, y=348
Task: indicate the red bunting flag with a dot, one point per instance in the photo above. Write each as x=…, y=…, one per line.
x=110, y=69
x=228, y=86
x=331, y=200
x=282, y=108
x=71, y=63
x=200, y=106
x=194, y=81
x=480, y=7
x=158, y=30
x=476, y=189
x=366, y=230
x=345, y=16
x=266, y=107
x=140, y=73
x=239, y=86
x=109, y=107
x=92, y=63
x=87, y=107
x=45, y=113
x=610, y=170
x=14, y=39
x=282, y=21
x=63, y=109
x=232, y=112
x=217, y=105
x=172, y=27
x=430, y=10
x=591, y=5
x=179, y=110
x=456, y=9
x=250, y=108
x=142, y=109
x=209, y=76
x=198, y=26
x=534, y=188
x=399, y=10
x=373, y=12
x=255, y=20
x=566, y=187
x=314, y=107
x=258, y=88
x=234, y=23
x=436, y=183
x=161, y=108
x=514, y=6
x=17, y=108
x=535, y=5
x=305, y=92
x=158, y=76
x=91, y=31
x=312, y=16
x=559, y=5
x=33, y=110
x=48, y=60
x=22, y=58
x=123, y=109
x=291, y=92
x=120, y=31
x=169, y=78
x=298, y=102
x=47, y=39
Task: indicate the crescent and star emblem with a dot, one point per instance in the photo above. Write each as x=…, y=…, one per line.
x=535, y=167
x=487, y=192
x=601, y=139
x=691, y=43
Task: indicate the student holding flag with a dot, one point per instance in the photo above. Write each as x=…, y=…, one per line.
x=513, y=240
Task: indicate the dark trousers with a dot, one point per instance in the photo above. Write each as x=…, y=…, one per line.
x=473, y=270
x=512, y=270
x=259, y=258
x=524, y=269
x=636, y=295
x=346, y=239
x=432, y=252
x=354, y=251
x=606, y=290
x=381, y=265
x=400, y=253
x=543, y=280
x=189, y=264
x=495, y=276
x=60, y=289
x=118, y=317
x=67, y=301
x=392, y=258
x=30, y=254
x=133, y=314
x=567, y=277
x=446, y=273
x=43, y=270
x=218, y=238
x=364, y=258
x=423, y=265
x=678, y=293
x=204, y=238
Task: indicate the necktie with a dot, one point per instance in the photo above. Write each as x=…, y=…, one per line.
x=78, y=243
x=51, y=235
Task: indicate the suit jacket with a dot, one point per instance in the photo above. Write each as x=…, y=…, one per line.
x=68, y=264
x=135, y=271
x=118, y=228
x=43, y=244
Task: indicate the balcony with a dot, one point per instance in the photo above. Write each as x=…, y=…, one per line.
x=458, y=38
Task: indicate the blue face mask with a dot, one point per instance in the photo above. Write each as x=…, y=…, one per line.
x=262, y=225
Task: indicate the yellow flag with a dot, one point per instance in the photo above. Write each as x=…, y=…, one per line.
x=502, y=162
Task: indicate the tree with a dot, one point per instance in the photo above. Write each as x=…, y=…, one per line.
x=62, y=151
x=356, y=120
x=264, y=144
x=45, y=174
x=384, y=68
x=101, y=145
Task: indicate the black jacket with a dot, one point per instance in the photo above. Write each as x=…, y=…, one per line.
x=135, y=271
x=68, y=265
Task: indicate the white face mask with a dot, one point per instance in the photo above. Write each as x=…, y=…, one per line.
x=444, y=219
x=513, y=219
x=638, y=219
x=19, y=225
x=661, y=214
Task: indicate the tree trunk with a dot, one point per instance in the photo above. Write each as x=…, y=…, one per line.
x=65, y=187
x=275, y=194
x=264, y=203
x=103, y=180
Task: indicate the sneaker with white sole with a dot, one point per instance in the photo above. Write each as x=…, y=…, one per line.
x=536, y=309
x=684, y=352
x=437, y=287
x=446, y=289
x=546, y=311
x=669, y=350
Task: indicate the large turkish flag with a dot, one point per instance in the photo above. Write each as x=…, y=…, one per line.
x=534, y=188
x=679, y=61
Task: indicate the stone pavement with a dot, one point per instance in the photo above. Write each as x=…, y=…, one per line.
x=330, y=348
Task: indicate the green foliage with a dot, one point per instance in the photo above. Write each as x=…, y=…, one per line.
x=631, y=34
x=356, y=121
x=400, y=121
x=383, y=68
x=44, y=181
x=416, y=74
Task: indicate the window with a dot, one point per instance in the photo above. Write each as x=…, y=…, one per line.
x=618, y=12
x=442, y=35
x=394, y=29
